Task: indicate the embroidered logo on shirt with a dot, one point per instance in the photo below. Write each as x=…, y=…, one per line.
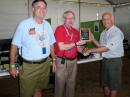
x=32, y=31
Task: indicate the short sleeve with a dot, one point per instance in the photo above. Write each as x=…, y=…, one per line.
x=78, y=35
x=17, y=38
x=59, y=35
x=52, y=37
x=115, y=41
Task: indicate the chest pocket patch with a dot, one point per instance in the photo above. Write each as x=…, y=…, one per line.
x=32, y=31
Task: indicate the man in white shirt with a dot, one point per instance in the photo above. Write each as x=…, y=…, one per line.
x=111, y=47
x=35, y=39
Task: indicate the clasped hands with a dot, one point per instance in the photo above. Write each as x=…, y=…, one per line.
x=86, y=51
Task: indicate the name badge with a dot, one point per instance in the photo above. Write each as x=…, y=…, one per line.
x=44, y=50
x=32, y=31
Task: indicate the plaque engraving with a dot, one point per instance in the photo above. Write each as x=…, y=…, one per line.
x=84, y=33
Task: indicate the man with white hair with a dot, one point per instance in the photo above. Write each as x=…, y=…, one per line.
x=35, y=39
x=67, y=45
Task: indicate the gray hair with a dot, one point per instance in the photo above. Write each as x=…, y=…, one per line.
x=67, y=12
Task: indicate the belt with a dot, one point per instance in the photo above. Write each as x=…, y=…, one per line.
x=35, y=62
x=67, y=58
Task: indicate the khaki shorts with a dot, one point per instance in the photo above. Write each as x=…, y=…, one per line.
x=33, y=76
x=111, y=73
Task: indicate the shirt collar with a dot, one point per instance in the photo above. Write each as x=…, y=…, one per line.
x=108, y=31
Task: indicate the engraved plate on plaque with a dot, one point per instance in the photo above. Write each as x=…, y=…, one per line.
x=84, y=34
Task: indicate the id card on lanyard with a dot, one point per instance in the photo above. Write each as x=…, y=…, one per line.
x=42, y=40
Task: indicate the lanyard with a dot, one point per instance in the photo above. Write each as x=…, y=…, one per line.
x=41, y=24
x=68, y=33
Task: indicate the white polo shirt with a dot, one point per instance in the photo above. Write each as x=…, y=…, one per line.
x=113, y=40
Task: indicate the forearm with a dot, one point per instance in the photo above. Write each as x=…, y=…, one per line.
x=52, y=52
x=98, y=50
x=13, y=52
x=63, y=46
x=80, y=48
x=96, y=43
